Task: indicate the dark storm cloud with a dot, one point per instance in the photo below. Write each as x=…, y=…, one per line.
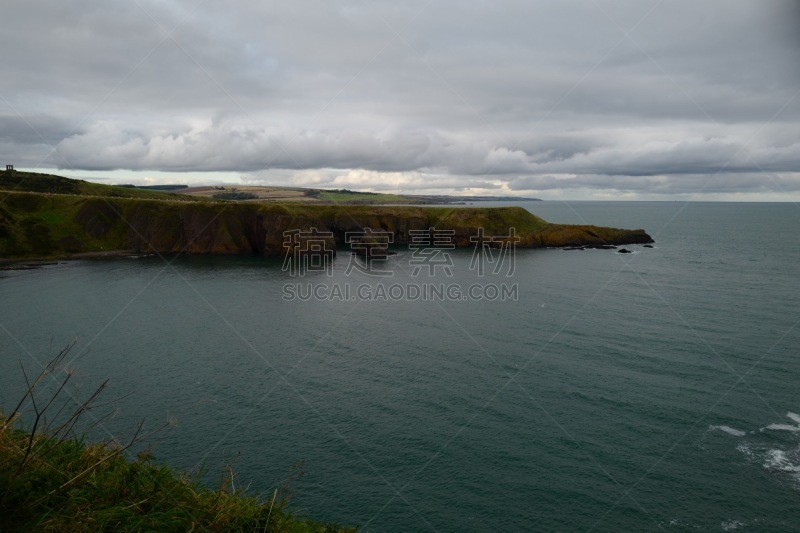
x=477, y=94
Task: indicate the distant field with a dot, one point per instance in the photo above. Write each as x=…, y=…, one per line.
x=350, y=196
x=294, y=194
x=262, y=193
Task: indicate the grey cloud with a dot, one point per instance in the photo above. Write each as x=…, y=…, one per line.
x=461, y=93
x=665, y=185
x=223, y=146
x=34, y=129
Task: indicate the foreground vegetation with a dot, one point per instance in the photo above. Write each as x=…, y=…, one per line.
x=52, y=480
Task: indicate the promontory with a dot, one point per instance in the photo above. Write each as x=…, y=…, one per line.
x=44, y=216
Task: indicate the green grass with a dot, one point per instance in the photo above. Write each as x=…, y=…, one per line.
x=51, y=479
x=53, y=218
x=74, y=486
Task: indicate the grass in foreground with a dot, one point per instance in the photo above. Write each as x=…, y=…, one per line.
x=51, y=480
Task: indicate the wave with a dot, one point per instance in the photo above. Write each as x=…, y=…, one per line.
x=781, y=427
x=729, y=430
x=786, y=427
x=761, y=448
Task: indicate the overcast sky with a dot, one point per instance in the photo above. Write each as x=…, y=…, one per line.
x=601, y=99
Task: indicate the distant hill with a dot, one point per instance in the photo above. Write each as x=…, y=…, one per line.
x=16, y=180
x=49, y=183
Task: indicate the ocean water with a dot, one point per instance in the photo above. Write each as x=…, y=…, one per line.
x=652, y=391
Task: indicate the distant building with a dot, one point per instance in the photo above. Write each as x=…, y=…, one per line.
x=9, y=167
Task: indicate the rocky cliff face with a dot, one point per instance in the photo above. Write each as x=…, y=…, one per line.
x=34, y=224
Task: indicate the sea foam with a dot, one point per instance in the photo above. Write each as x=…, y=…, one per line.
x=779, y=460
x=730, y=525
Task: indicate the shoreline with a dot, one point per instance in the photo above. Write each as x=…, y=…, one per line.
x=32, y=263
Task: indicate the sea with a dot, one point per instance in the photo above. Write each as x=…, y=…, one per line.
x=483, y=389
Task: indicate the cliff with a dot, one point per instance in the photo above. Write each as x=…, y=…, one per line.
x=51, y=225
x=51, y=216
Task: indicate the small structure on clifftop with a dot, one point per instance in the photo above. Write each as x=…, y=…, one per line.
x=9, y=168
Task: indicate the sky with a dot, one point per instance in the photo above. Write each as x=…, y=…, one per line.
x=580, y=100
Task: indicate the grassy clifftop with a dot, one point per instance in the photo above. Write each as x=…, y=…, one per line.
x=51, y=479
x=66, y=485
x=56, y=224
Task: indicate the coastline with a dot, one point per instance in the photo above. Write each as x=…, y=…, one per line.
x=43, y=223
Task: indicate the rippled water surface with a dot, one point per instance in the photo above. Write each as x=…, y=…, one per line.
x=645, y=392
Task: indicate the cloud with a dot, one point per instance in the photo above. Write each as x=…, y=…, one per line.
x=695, y=184
x=621, y=151
x=441, y=95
